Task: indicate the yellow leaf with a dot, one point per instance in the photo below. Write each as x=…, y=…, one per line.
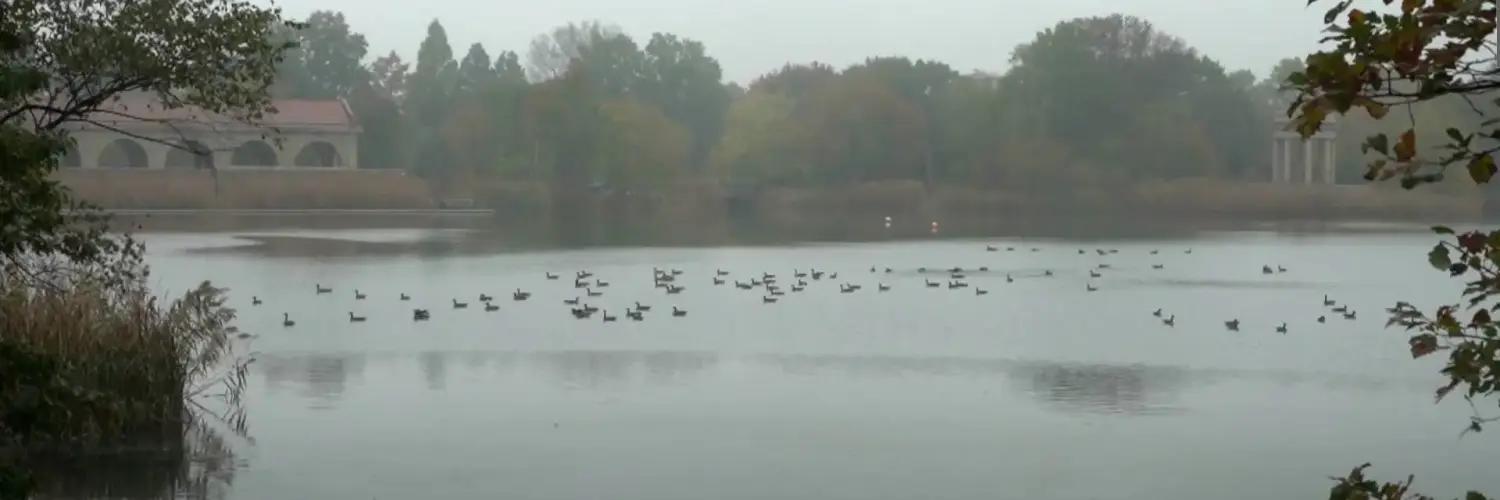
x=1482, y=168
x=1356, y=17
x=1406, y=147
x=1374, y=108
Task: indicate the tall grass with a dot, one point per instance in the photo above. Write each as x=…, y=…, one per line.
x=88, y=365
x=247, y=188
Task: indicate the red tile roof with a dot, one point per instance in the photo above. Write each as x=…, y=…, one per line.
x=289, y=113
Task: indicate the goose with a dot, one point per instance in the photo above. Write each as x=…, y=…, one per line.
x=1093, y=274
x=642, y=307
x=1170, y=321
x=718, y=281
x=580, y=284
x=883, y=287
x=1327, y=301
x=485, y=298
x=798, y=288
x=460, y=305
x=991, y=248
x=767, y=300
x=678, y=312
x=817, y=275
x=802, y=274
x=1157, y=312
x=1158, y=266
x=254, y=301
x=584, y=275
x=933, y=284
x=355, y=319
x=777, y=293
x=1280, y=269
x=1009, y=279
x=607, y=318
x=1282, y=328
x=833, y=276
x=592, y=293
x=957, y=276
x=1349, y=315
x=519, y=295
x=358, y=295
x=491, y=307
x=1153, y=252
x=956, y=284
x=1188, y=251
x=846, y=288
x=984, y=269
x=1090, y=287
x=405, y=297
x=1034, y=249
x=286, y=320
x=1010, y=249
x=1266, y=270
x=742, y=286
x=572, y=302
x=551, y=276
x=420, y=315
x=980, y=291
x=1104, y=265
x=721, y=272
x=320, y=289
x=1080, y=251
x=1047, y=272
x=1233, y=325
x=1340, y=309
x=601, y=283
x=590, y=308
x=581, y=313
x=635, y=315
x=1322, y=319
x=674, y=289
x=756, y=282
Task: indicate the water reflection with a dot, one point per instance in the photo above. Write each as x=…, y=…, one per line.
x=321, y=379
x=1107, y=389
x=198, y=467
x=434, y=369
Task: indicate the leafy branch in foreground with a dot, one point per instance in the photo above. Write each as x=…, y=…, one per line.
x=1394, y=57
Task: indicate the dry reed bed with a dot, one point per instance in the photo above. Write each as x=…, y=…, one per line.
x=89, y=367
x=247, y=189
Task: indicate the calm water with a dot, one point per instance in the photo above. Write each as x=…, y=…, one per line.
x=1037, y=390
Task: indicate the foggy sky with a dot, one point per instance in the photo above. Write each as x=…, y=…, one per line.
x=750, y=38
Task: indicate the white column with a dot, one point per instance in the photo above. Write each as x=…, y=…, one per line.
x=1275, y=154
x=1330, y=166
x=1286, y=160
x=1307, y=161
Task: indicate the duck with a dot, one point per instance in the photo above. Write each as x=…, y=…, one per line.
x=1233, y=325
x=286, y=320
x=355, y=319
x=678, y=312
x=460, y=305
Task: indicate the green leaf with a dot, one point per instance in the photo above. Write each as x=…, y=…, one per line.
x=1439, y=258
x=1454, y=134
x=1482, y=168
x=1442, y=229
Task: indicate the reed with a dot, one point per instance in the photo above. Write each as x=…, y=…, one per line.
x=85, y=366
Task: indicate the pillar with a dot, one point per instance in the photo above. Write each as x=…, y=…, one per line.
x=1286, y=160
x=1330, y=166
x=1307, y=161
x=1275, y=151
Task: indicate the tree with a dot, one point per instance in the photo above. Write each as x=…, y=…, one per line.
x=550, y=54
x=67, y=59
x=332, y=55
x=475, y=70
x=1386, y=58
x=680, y=78
x=430, y=90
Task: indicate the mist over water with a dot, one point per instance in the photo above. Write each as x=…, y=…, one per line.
x=1037, y=389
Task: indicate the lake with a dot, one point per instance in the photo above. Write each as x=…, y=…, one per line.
x=1037, y=389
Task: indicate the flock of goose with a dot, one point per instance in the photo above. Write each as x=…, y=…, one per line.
x=770, y=286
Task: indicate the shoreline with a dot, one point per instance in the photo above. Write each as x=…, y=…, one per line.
x=468, y=212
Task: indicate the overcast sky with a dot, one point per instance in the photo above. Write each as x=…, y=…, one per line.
x=750, y=38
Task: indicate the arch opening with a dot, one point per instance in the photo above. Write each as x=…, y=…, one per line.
x=254, y=154
x=190, y=155
x=318, y=154
x=123, y=153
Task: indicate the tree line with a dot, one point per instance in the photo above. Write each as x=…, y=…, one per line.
x=1089, y=100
